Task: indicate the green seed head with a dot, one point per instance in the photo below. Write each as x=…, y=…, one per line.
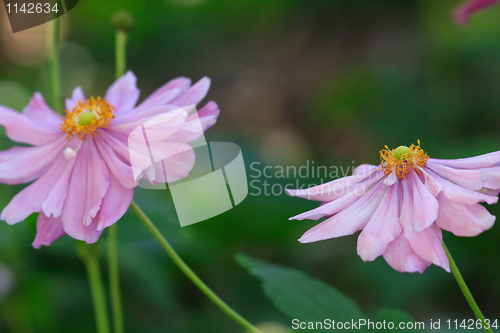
x=86, y=118
x=400, y=152
x=123, y=21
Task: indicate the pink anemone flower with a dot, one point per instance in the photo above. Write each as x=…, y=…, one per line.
x=463, y=13
x=402, y=204
x=80, y=163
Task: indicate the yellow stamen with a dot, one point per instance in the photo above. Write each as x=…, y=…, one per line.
x=86, y=118
x=402, y=159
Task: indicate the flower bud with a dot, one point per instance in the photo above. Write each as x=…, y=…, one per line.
x=123, y=21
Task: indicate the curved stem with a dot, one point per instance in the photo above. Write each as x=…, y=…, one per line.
x=54, y=69
x=190, y=274
x=114, y=280
x=88, y=255
x=466, y=291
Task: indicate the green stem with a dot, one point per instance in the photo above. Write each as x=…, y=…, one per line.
x=120, y=53
x=89, y=256
x=466, y=291
x=114, y=272
x=190, y=274
x=54, y=69
x=114, y=280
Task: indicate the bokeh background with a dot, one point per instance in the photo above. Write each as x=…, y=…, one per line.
x=329, y=81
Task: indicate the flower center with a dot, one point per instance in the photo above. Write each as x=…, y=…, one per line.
x=86, y=118
x=402, y=159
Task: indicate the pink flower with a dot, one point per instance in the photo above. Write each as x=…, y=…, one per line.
x=463, y=13
x=80, y=164
x=402, y=204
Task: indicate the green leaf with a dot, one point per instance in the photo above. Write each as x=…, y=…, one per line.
x=397, y=317
x=299, y=296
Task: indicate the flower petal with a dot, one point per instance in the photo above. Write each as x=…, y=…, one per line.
x=24, y=164
x=193, y=95
x=462, y=195
x=492, y=178
x=382, y=228
x=476, y=162
x=114, y=204
x=463, y=220
x=430, y=183
x=76, y=96
x=400, y=256
x=332, y=190
x=425, y=205
x=197, y=123
x=427, y=243
x=88, y=184
x=20, y=128
x=48, y=229
x=463, y=13
x=471, y=179
x=123, y=94
x=348, y=221
x=53, y=204
x=30, y=199
x=120, y=170
x=164, y=94
x=41, y=114
x=333, y=207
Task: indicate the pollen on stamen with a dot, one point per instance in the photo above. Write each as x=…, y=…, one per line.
x=402, y=159
x=86, y=118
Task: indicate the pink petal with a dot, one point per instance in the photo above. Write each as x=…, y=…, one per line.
x=159, y=100
x=116, y=143
x=193, y=95
x=333, y=207
x=41, y=114
x=20, y=128
x=425, y=205
x=364, y=169
x=492, y=178
x=462, y=195
x=30, y=199
x=382, y=228
x=131, y=120
x=197, y=123
x=114, y=204
x=463, y=220
x=430, y=183
x=48, y=229
x=77, y=96
x=123, y=94
x=348, y=221
x=25, y=164
x=163, y=95
x=427, y=243
x=208, y=115
x=471, y=179
x=179, y=165
x=332, y=190
x=88, y=184
x=463, y=13
x=53, y=204
x=120, y=170
x=476, y=162
x=400, y=256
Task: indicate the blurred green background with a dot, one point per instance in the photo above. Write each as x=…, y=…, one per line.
x=329, y=81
